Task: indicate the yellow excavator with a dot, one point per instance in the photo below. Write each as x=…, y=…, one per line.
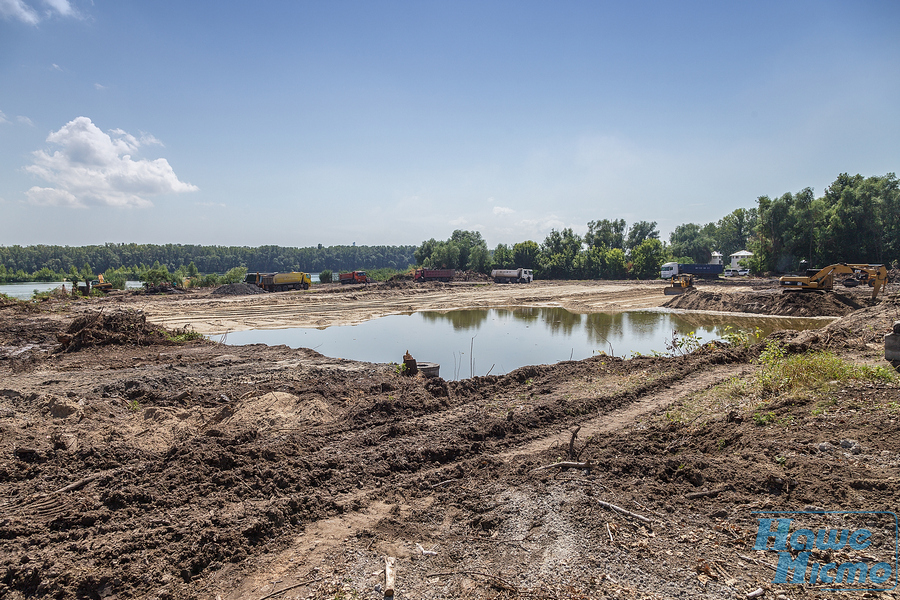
x=823, y=280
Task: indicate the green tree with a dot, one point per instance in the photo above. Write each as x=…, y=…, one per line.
x=234, y=275
x=503, y=257
x=647, y=258
x=693, y=241
x=479, y=259
x=558, y=254
x=606, y=233
x=525, y=254
x=640, y=231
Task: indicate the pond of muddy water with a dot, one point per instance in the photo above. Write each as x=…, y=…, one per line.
x=496, y=341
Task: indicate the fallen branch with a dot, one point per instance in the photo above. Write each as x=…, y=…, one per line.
x=566, y=465
x=755, y=561
x=444, y=482
x=426, y=552
x=609, y=533
x=283, y=590
x=506, y=585
x=627, y=513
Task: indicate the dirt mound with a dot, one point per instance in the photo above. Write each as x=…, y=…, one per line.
x=237, y=289
x=162, y=288
x=798, y=304
x=126, y=327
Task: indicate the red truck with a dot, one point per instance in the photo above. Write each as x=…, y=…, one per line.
x=354, y=277
x=434, y=274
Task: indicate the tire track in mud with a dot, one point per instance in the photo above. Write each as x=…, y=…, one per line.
x=621, y=419
x=321, y=538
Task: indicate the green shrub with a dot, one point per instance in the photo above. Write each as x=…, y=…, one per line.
x=325, y=276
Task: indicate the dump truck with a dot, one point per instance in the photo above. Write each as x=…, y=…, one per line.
x=512, y=275
x=280, y=282
x=434, y=274
x=354, y=277
x=671, y=269
x=822, y=280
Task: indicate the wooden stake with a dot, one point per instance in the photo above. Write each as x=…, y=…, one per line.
x=389, y=575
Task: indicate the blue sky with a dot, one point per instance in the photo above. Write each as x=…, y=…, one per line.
x=299, y=123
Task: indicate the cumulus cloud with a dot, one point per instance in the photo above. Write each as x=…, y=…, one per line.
x=503, y=211
x=459, y=221
x=96, y=168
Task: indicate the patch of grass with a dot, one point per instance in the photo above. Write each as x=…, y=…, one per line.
x=761, y=419
x=744, y=339
x=184, y=335
x=780, y=374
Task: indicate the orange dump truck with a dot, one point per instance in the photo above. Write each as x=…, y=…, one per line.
x=354, y=277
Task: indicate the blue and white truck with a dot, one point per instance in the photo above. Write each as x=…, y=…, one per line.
x=671, y=269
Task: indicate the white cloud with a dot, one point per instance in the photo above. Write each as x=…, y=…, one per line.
x=24, y=120
x=27, y=13
x=2, y=116
x=99, y=87
x=96, y=168
x=56, y=67
x=61, y=6
x=503, y=210
x=459, y=221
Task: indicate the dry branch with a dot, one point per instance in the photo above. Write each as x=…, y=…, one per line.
x=290, y=587
x=505, y=584
x=627, y=513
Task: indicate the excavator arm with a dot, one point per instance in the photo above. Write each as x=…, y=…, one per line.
x=823, y=279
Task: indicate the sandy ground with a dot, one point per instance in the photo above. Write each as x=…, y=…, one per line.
x=323, y=306
x=136, y=466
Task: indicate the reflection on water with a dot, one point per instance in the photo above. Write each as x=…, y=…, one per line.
x=475, y=342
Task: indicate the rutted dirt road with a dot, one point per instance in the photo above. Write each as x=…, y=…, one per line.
x=133, y=466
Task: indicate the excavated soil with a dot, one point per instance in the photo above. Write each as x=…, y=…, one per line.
x=237, y=289
x=792, y=304
x=132, y=466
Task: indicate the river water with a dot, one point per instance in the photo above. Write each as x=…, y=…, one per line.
x=496, y=341
x=24, y=291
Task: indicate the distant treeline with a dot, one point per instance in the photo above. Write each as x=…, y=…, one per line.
x=856, y=220
x=50, y=263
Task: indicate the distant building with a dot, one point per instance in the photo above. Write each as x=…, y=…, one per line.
x=739, y=256
x=716, y=258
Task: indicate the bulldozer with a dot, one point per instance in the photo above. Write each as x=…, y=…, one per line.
x=680, y=284
x=822, y=280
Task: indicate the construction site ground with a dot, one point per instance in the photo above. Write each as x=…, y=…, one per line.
x=134, y=464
